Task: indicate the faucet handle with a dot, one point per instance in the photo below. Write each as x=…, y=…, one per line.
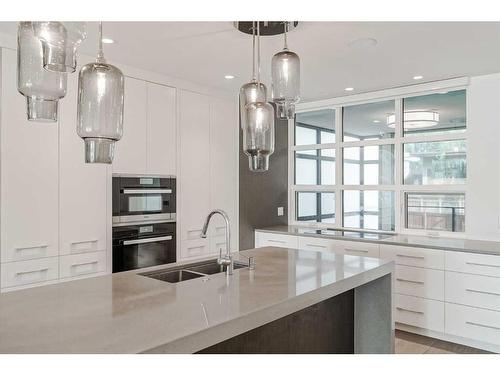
x=251, y=261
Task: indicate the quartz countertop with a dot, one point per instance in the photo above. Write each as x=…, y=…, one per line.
x=440, y=243
x=130, y=313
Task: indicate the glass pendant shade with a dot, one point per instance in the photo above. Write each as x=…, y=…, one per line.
x=42, y=88
x=60, y=41
x=258, y=135
x=249, y=93
x=285, y=71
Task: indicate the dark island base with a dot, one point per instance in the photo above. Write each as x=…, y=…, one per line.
x=357, y=321
x=327, y=327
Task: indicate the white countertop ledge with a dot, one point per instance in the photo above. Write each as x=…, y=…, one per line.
x=130, y=313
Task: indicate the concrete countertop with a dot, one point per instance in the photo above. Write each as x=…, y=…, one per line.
x=440, y=243
x=130, y=313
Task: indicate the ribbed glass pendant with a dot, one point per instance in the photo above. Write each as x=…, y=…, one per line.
x=42, y=88
x=100, y=108
x=257, y=119
x=285, y=72
x=60, y=41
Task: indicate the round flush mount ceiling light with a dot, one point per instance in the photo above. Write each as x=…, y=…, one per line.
x=376, y=121
x=107, y=41
x=229, y=76
x=362, y=43
x=417, y=77
x=415, y=119
x=349, y=89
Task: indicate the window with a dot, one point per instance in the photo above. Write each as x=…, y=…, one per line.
x=390, y=165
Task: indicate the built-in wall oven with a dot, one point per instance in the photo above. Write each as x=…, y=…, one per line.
x=143, y=221
x=143, y=198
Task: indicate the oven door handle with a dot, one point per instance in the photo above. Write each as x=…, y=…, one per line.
x=147, y=240
x=147, y=191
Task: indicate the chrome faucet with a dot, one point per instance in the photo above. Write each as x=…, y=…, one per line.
x=226, y=260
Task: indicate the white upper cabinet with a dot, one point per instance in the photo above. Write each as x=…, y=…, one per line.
x=131, y=150
x=82, y=187
x=161, y=133
x=223, y=168
x=29, y=175
x=194, y=153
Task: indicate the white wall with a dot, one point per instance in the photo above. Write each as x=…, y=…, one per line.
x=483, y=158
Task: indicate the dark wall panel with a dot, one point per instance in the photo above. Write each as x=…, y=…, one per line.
x=261, y=194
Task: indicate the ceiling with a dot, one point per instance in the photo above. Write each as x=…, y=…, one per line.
x=334, y=55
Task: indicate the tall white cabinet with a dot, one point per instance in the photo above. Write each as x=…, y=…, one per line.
x=29, y=188
x=148, y=145
x=208, y=171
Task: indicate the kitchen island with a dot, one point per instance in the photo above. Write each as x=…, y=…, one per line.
x=294, y=301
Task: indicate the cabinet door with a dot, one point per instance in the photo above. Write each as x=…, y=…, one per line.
x=223, y=170
x=194, y=177
x=130, y=152
x=82, y=197
x=161, y=134
x=29, y=175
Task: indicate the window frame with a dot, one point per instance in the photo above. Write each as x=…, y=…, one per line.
x=399, y=188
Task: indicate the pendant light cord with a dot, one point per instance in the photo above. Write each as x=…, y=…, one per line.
x=258, y=54
x=253, y=50
x=100, y=53
x=285, y=36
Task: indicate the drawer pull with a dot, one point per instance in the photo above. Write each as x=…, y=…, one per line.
x=86, y=271
x=80, y=242
x=28, y=272
x=482, y=264
x=410, y=281
x=31, y=247
x=276, y=241
x=313, y=245
x=357, y=251
x=482, y=292
x=482, y=325
x=409, y=256
x=412, y=311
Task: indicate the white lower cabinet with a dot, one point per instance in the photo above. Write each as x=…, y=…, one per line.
x=318, y=244
x=473, y=290
x=419, y=282
x=477, y=264
x=29, y=272
x=419, y=312
x=362, y=249
x=82, y=265
x=277, y=240
x=473, y=323
x=413, y=256
x=194, y=248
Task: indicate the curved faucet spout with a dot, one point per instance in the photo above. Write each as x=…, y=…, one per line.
x=227, y=259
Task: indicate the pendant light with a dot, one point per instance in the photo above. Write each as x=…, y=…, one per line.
x=42, y=88
x=60, y=41
x=100, y=107
x=251, y=92
x=258, y=134
x=285, y=72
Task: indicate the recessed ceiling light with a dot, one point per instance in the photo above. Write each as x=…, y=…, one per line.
x=107, y=41
x=418, y=77
x=228, y=76
x=376, y=121
x=363, y=43
x=349, y=88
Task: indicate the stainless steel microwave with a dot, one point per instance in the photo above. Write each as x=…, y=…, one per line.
x=143, y=199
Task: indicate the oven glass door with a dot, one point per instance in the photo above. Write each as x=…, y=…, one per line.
x=143, y=252
x=144, y=202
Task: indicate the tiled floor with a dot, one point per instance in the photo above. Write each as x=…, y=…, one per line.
x=409, y=343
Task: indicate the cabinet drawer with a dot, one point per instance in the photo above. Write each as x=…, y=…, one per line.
x=27, y=252
x=194, y=248
x=473, y=323
x=29, y=272
x=363, y=249
x=217, y=243
x=277, y=240
x=84, y=264
x=420, y=282
x=413, y=256
x=473, y=290
x=319, y=244
x=478, y=264
x=419, y=312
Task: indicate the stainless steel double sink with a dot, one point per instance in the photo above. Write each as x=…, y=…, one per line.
x=190, y=271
